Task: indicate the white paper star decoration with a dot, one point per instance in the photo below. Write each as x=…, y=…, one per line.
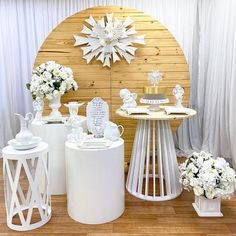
x=109, y=40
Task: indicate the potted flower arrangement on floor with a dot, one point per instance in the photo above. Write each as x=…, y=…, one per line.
x=51, y=80
x=210, y=179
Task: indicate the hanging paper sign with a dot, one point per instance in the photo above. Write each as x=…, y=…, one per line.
x=97, y=115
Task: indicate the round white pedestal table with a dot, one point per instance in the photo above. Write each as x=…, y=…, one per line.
x=95, y=183
x=153, y=172
x=26, y=186
x=55, y=135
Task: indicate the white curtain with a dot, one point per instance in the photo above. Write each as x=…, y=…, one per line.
x=213, y=84
x=205, y=30
x=24, y=25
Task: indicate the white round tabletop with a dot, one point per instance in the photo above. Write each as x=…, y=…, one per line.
x=157, y=115
x=9, y=150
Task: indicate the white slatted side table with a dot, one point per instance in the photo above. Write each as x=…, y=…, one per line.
x=153, y=173
x=26, y=187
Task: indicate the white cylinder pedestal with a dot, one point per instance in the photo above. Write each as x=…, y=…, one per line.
x=95, y=183
x=55, y=135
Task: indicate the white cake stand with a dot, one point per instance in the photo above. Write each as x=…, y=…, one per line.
x=154, y=103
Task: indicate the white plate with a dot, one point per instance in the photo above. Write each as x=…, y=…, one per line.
x=95, y=144
x=20, y=146
x=137, y=110
x=177, y=110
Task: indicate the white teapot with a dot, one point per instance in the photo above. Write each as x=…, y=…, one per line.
x=112, y=131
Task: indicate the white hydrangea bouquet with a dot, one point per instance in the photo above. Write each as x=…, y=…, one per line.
x=208, y=177
x=50, y=80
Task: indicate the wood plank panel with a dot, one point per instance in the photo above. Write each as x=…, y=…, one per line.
x=161, y=52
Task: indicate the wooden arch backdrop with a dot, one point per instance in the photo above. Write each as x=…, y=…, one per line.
x=161, y=52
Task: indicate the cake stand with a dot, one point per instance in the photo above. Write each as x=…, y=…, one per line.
x=154, y=103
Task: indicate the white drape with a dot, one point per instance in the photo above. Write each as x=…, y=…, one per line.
x=205, y=30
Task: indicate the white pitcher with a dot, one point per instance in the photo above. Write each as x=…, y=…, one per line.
x=112, y=131
x=24, y=136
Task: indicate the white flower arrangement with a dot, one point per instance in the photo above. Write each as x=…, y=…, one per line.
x=50, y=80
x=206, y=176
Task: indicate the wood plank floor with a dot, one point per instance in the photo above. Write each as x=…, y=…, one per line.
x=170, y=218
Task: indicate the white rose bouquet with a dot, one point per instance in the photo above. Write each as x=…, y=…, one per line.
x=206, y=176
x=50, y=80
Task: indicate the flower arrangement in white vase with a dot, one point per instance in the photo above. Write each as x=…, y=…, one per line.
x=51, y=80
x=210, y=179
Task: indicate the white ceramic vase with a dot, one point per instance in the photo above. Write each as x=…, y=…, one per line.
x=73, y=108
x=207, y=207
x=55, y=104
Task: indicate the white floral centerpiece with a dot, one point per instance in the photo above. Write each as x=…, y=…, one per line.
x=51, y=80
x=209, y=178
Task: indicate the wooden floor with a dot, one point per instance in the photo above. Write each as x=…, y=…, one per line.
x=176, y=217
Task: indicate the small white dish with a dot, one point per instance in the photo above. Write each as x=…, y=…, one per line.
x=176, y=110
x=95, y=144
x=24, y=146
x=137, y=110
x=56, y=120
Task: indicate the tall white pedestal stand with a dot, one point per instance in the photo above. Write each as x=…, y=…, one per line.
x=55, y=135
x=153, y=173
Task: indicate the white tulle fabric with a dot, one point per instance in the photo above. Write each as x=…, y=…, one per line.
x=206, y=30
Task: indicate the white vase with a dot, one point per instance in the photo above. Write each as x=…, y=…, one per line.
x=55, y=104
x=207, y=207
x=73, y=108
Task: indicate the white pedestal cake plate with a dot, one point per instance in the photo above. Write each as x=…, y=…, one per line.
x=154, y=103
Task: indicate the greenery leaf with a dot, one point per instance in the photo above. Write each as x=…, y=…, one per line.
x=28, y=86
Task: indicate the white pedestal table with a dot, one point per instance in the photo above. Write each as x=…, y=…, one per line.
x=23, y=172
x=95, y=183
x=153, y=173
x=55, y=135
